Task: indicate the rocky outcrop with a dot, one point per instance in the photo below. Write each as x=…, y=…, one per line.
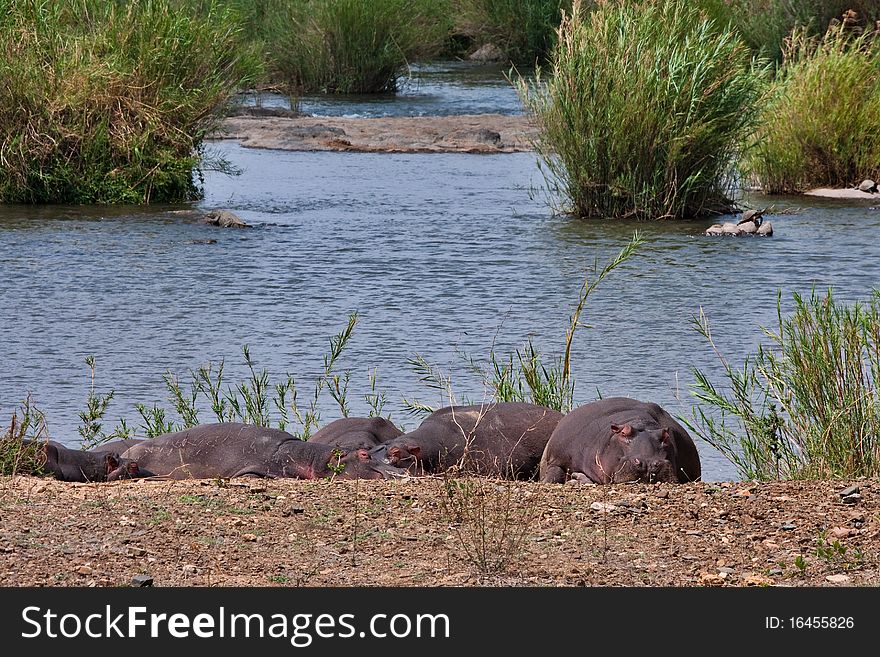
x=469, y=133
x=750, y=223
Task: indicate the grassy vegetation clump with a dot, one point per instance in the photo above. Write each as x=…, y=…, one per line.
x=820, y=126
x=765, y=24
x=807, y=406
x=109, y=102
x=21, y=445
x=525, y=30
x=644, y=111
x=352, y=46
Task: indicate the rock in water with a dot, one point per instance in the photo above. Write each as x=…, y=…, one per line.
x=487, y=53
x=225, y=219
x=766, y=229
x=748, y=227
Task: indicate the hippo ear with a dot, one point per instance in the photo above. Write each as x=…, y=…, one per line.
x=132, y=469
x=665, y=437
x=363, y=455
x=111, y=462
x=623, y=433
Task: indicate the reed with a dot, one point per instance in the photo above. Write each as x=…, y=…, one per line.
x=644, y=111
x=525, y=30
x=820, y=125
x=765, y=24
x=21, y=444
x=110, y=102
x=352, y=46
x=806, y=405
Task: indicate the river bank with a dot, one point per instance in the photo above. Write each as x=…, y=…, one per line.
x=401, y=533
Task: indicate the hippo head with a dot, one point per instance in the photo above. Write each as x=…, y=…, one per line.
x=359, y=464
x=640, y=454
x=120, y=468
x=403, y=456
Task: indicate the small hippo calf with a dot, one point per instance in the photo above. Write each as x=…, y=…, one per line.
x=231, y=449
x=619, y=440
x=500, y=439
x=356, y=433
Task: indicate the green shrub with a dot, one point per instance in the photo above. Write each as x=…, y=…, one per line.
x=807, y=405
x=22, y=443
x=644, y=111
x=821, y=123
x=109, y=102
x=764, y=24
x=352, y=46
x=525, y=30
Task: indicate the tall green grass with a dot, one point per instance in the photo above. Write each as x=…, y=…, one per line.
x=525, y=30
x=21, y=444
x=352, y=46
x=820, y=127
x=807, y=405
x=765, y=24
x=109, y=102
x=644, y=110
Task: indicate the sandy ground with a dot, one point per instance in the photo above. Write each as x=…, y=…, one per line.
x=412, y=532
x=844, y=194
x=478, y=133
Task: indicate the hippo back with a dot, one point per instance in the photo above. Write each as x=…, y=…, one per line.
x=352, y=433
x=225, y=449
x=495, y=439
x=233, y=449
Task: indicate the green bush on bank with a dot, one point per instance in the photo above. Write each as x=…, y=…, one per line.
x=524, y=30
x=806, y=406
x=351, y=46
x=644, y=110
x=821, y=125
x=109, y=102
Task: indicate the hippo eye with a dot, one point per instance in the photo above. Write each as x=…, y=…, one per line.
x=636, y=462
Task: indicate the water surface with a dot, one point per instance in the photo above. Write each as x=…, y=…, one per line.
x=435, y=89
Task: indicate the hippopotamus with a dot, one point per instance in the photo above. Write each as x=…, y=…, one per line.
x=231, y=449
x=356, y=433
x=76, y=465
x=619, y=440
x=117, y=446
x=503, y=439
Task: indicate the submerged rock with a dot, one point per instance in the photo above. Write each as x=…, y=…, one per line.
x=225, y=219
x=488, y=52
